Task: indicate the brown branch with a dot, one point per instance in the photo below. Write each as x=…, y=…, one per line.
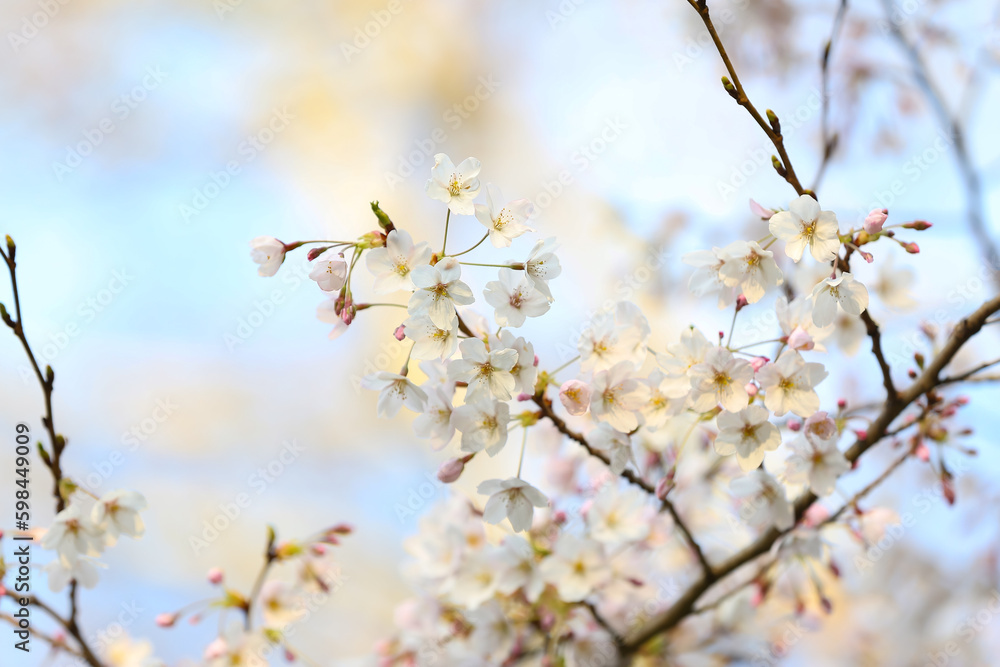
x=57, y=644
x=603, y=622
x=57, y=443
x=771, y=126
x=968, y=374
x=546, y=407
x=829, y=141
x=928, y=380
x=953, y=125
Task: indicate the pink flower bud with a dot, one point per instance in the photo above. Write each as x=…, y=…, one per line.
x=794, y=426
x=841, y=403
x=400, y=332
x=318, y=549
x=922, y=452
x=59, y=638
x=875, y=220
x=166, y=620
x=524, y=396
x=216, y=649
x=451, y=470
x=758, y=362
x=535, y=363
x=800, y=339
x=815, y=515
x=215, y=576
x=741, y=303
x=919, y=225
x=289, y=656
x=314, y=253
x=868, y=257
x=861, y=434
x=760, y=211
x=559, y=518
x=911, y=248
x=194, y=619
x=751, y=389
x=663, y=487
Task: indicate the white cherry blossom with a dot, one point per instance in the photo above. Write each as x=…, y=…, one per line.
x=488, y=373
x=720, y=379
x=395, y=391
x=455, y=186
x=766, y=502
x=616, y=445
x=505, y=223
x=429, y=340
x=329, y=270
x=438, y=290
x=614, y=336
x=73, y=534
x=512, y=499
x=117, y=513
x=576, y=567
x=748, y=434
x=618, y=516
x=816, y=462
x=707, y=276
x=844, y=291
x=618, y=396
x=392, y=265
x=789, y=384
x=796, y=322
x=434, y=423
x=514, y=299
x=483, y=425
x=751, y=269
x=542, y=266
x=804, y=224
x=575, y=395
x=269, y=253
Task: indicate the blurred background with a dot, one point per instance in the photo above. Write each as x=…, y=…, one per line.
x=146, y=143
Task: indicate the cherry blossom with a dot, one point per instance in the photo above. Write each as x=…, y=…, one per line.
x=617, y=396
x=748, y=434
x=542, y=266
x=720, y=379
x=487, y=372
x=575, y=395
x=618, y=516
x=438, y=289
x=750, y=268
x=514, y=299
x=483, y=425
x=804, y=224
x=816, y=462
x=392, y=265
x=73, y=534
x=788, y=384
x=117, y=513
x=512, y=499
x=329, y=270
x=707, y=278
x=766, y=501
x=269, y=253
x=576, y=567
x=843, y=291
x=617, y=446
x=507, y=223
x=395, y=391
x=614, y=336
x=429, y=340
x=455, y=186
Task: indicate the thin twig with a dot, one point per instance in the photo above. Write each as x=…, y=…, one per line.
x=829, y=141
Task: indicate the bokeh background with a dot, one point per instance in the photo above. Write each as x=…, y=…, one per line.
x=144, y=145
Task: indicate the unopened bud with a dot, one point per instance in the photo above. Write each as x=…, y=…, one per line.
x=794, y=426
x=741, y=303
x=166, y=620
x=400, y=332
x=316, y=252
x=772, y=118
x=383, y=220
x=450, y=470
x=215, y=576
x=875, y=220
x=663, y=487
x=919, y=225
x=911, y=248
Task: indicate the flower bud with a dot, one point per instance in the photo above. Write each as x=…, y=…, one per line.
x=841, y=403
x=663, y=487
x=215, y=576
x=575, y=396
x=751, y=389
x=875, y=220
x=166, y=620
x=760, y=211
x=400, y=332
x=919, y=225
x=383, y=220
x=758, y=362
x=559, y=518
x=741, y=303
x=911, y=248
x=794, y=426
x=450, y=470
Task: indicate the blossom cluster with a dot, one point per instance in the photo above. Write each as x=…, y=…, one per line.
x=534, y=575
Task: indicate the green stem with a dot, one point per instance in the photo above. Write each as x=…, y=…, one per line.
x=520, y=462
x=571, y=361
x=478, y=243
x=499, y=266
x=444, y=244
